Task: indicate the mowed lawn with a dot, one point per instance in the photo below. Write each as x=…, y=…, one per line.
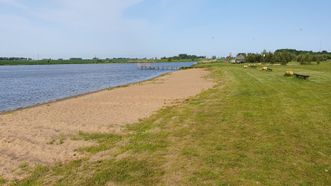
x=253, y=128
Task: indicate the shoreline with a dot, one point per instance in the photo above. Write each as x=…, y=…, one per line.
x=135, y=62
x=43, y=134
x=83, y=94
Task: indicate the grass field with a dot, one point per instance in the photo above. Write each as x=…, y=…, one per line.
x=253, y=128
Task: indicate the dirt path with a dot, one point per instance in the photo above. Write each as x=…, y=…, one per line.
x=34, y=135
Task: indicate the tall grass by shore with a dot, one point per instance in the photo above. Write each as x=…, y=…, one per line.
x=253, y=127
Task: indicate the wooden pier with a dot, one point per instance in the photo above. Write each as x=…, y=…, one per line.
x=157, y=67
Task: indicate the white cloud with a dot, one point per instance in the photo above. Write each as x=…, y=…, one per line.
x=87, y=12
x=66, y=28
x=75, y=12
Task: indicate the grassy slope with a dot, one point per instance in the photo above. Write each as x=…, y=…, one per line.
x=253, y=127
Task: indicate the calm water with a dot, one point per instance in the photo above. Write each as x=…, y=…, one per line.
x=22, y=86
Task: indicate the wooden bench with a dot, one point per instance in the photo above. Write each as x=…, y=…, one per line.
x=301, y=76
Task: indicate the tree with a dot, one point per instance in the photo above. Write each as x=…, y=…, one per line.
x=254, y=58
x=283, y=57
x=268, y=57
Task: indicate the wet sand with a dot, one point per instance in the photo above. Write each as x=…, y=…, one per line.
x=33, y=135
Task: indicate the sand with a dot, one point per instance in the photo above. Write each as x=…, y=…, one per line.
x=33, y=135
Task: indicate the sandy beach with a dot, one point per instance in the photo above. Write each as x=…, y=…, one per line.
x=31, y=135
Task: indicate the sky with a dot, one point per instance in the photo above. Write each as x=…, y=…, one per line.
x=157, y=28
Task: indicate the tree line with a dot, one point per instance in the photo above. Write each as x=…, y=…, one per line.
x=183, y=57
x=77, y=60
x=284, y=56
x=14, y=58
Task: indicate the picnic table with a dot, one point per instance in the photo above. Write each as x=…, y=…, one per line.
x=301, y=76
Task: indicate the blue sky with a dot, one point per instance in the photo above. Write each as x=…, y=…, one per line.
x=156, y=28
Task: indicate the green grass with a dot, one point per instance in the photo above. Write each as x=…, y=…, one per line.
x=83, y=173
x=105, y=141
x=2, y=181
x=253, y=127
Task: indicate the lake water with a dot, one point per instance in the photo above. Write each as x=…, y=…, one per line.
x=22, y=86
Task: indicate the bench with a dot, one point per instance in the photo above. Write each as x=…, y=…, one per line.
x=301, y=76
